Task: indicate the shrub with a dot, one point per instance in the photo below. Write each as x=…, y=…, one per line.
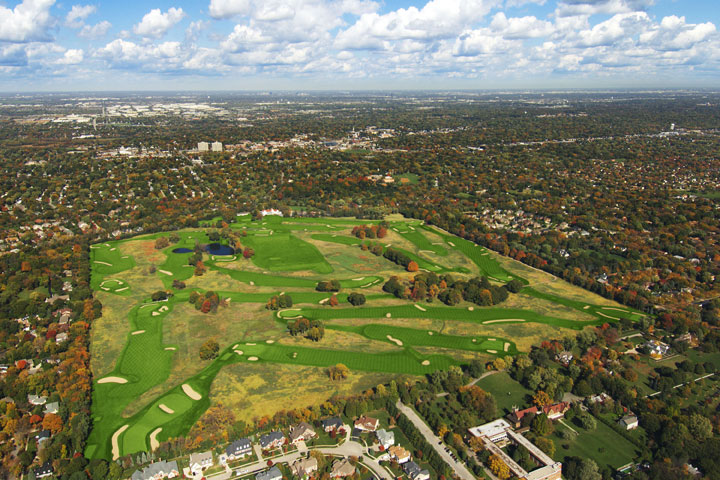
x=356, y=299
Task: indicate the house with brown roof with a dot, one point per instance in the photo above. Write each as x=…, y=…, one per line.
x=342, y=468
x=302, y=431
x=367, y=424
x=399, y=454
x=304, y=467
x=552, y=411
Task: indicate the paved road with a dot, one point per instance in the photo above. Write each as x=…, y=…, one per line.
x=459, y=468
x=474, y=381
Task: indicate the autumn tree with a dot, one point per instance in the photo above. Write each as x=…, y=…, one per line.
x=209, y=350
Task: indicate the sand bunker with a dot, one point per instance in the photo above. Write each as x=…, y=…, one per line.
x=474, y=340
x=252, y=283
x=154, y=443
x=451, y=244
x=138, y=332
x=506, y=347
x=492, y=339
x=616, y=309
x=358, y=279
x=190, y=392
x=388, y=315
x=165, y=272
x=239, y=352
x=115, y=437
x=155, y=314
x=504, y=320
x=607, y=316
x=322, y=302
x=426, y=251
x=172, y=349
x=251, y=344
x=164, y=308
x=471, y=308
x=113, y=249
x=166, y=409
x=420, y=308
x=425, y=362
x=431, y=333
x=122, y=289
x=113, y=380
x=103, y=263
x=492, y=351
x=253, y=359
x=397, y=342
x=586, y=307
x=270, y=341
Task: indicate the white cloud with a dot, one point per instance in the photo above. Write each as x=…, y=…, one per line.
x=71, y=57
x=520, y=3
x=156, y=24
x=623, y=26
x=674, y=33
x=13, y=56
x=95, y=31
x=521, y=27
x=77, y=15
x=27, y=22
x=229, y=8
x=592, y=7
x=120, y=52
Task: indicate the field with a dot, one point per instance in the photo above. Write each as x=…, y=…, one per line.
x=602, y=444
x=144, y=354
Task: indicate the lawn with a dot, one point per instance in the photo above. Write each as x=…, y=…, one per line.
x=286, y=253
x=603, y=445
x=508, y=393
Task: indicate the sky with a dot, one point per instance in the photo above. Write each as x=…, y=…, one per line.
x=102, y=45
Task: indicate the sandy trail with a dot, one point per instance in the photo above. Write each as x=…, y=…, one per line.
x=616, y=309
x=190, y=392
x=607, y=316
x=113, y=380
x=397, y=342
x=503, y=320
x=154, y=443
x=115, y=437
x=166, y=409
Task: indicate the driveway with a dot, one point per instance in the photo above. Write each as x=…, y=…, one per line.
x=459, y=468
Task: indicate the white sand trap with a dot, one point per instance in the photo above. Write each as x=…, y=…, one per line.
x=270, y=341
x=113, y=380
x=426, y=251
x=366, y=285
x=115, y=437
x=492, y=351
x=164, y=308
x=170, y=349
x=282, y=293
x=113, y=249
x=471, y=308
x=253, y=359
x=239, y=352
x=474, y=340
x=437, y=243
x=616, y=309
x=607, y=316
x=425, y=362
x=154, y=443
x=586, y=307
x=506, y=347
x=251, y=344
x=388, y=315
x=389, y=245
x=166, y=409
x=165, y=272
x=451, y=244
x=397, y=342
x=138, y=332
x=103, y=263
x=236, y=346
x=105, y=288
x=322, y=302
x=483, y=254
x=252, y=283
x=94, y=246
x=122, y=289
x=126, y=256
x=492, y=339
x=420, y=308
x=504, y=320
x=190, y=392
x=155, y=314
x=107, y=244
x=431, y=333
x=358, y=279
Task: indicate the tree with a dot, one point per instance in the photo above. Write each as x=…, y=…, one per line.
x=498, y=467
x=333, y=302
x=514, y=285
x=209, y=350
x=700, y=426
x=542, y=425
x=412, y=266
x=546, y=445
x=356, y=299
x=338, y=372
x=542, y=399
x=53, y=423
x=161, y=242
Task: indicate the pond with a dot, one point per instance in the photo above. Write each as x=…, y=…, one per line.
x=183, y=250
x=218, y=249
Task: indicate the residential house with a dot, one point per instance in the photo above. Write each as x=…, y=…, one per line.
x=386, y=439
x=367, y=424
x=342, y=468
x=272, y=440
x=629, y=422
x=564, y=358
x=302, y=431
x=656, y=348
x=44, y=470
x=52, y=407
x=272, y=474
x=600, y=398
x=304, y=467
x=61, y=337
x=199, y=462
x=331, y=424
x=552, y=411
x=37, y=400
x=414, y=472
x=42, y=437
x=157, y=470
x=239, y=449
x=399, y=454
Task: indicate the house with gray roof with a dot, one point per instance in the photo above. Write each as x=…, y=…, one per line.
x=157, y=470
x=414, y=471
x=272, y=440
x=386, y=439
x=239, y=449
x=272, y=474
x=302, y=431
x=200, y=462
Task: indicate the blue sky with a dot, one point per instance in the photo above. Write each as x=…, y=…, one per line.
x=357, y=44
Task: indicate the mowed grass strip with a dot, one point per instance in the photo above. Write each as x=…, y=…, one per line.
x=286, y=253
x=262, y=280
x=107, y=259
x=415, y=236
x=601, y=312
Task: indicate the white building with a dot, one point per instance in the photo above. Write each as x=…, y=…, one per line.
x=217, y=146
x=203, y=147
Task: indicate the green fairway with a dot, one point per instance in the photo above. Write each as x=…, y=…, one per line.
x=602, y=444
x=508, y=393
x=106, y=259
x=286, y=253
x=415, y=235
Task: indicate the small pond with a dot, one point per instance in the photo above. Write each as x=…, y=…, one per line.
x=218, y=249
x=183, y=250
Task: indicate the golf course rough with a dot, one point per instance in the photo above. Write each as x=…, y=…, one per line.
x=289, y=258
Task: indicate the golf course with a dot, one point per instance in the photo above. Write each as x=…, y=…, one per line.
x=150, y=383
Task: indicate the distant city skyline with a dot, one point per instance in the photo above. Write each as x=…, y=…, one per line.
x=209, y=45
